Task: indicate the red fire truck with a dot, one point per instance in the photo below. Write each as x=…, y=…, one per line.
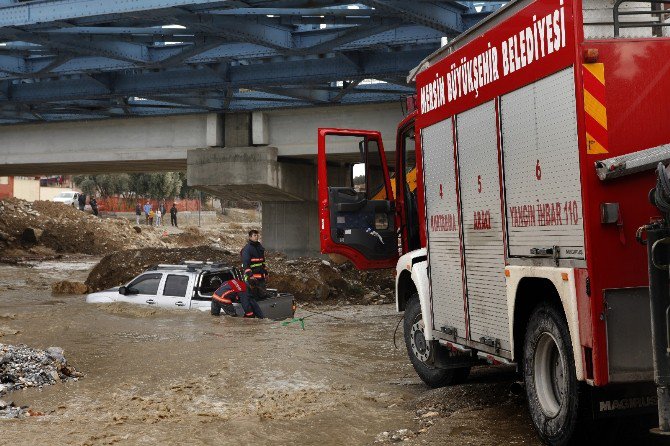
x=533, y=143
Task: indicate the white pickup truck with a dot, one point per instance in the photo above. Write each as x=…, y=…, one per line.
x=189, y=286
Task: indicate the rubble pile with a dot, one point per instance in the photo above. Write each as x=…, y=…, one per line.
x=22, y=367
x=320, y=280
x=68, y=287
x=120, y=267
x=306, y=278
x=60, y=228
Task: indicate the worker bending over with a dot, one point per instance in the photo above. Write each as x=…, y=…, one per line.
x=237, y=291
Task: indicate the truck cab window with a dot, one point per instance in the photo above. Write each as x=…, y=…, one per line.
x=358, y=178
x=146, y=283
x=175, y=285
x=375, y=170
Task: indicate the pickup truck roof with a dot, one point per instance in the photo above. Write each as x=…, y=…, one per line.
x=193, y=266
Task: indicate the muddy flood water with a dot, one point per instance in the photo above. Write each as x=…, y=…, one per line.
x=184, y=377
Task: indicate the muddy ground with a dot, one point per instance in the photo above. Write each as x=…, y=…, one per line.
x=181, y=377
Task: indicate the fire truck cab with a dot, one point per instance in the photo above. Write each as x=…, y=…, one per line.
x=520, y=181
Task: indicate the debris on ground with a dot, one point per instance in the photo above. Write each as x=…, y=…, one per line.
x=395, y=436
x=22, y=367
x=318, y=280
x=446, y=413
x=25, y=225
x=309, y=280
x=44, y=229
x=68, y=287
x=11, y=410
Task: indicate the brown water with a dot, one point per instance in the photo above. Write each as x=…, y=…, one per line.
x=184, y=377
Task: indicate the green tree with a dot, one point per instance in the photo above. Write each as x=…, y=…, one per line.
x=88, y=186
x=159, y=185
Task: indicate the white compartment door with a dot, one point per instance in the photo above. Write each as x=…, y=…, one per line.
x=541, y=163
x=444, y=245
x=482, y=225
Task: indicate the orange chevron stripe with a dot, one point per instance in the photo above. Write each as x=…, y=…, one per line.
x=597, y=70
x=593, y=147
x=595, y=109
x=595, y=116
x=594, y=86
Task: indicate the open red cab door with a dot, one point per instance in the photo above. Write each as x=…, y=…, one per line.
x=356, y=203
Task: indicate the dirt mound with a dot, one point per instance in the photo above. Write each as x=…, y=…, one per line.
x=319, y=280
x=190, y=237
x=63, y=228
x=118, y=268
x=68, y=287
x=44, y=229
x=307, y=279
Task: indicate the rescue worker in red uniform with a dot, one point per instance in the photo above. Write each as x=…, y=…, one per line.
x=236, y=291
x=253, y=259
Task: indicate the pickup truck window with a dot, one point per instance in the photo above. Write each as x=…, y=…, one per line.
x=175, y=285
x=146, y=283
x=209, y=282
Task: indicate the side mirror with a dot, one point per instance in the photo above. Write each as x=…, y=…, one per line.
x=123, y=290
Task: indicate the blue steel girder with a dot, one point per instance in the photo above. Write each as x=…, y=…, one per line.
x=91, y=59
x=214, y=51
x=377, y=65
x=442, y=16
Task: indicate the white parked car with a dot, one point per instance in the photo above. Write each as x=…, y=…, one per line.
x=189, y=286
x=68, y=197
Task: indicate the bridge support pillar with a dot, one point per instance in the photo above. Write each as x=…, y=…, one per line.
x=291, y=227
x=287, y=191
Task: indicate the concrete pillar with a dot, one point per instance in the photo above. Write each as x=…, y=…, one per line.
x=260, y=129
x=291, y=227
x=237, y=129
x=214, y=131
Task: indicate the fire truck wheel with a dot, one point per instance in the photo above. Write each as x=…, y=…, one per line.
x=551, y=383
x=419, y=350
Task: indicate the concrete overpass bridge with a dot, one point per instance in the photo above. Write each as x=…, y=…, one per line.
x=263, y=156
x=232, y=91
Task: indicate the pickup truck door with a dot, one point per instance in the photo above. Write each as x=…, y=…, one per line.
x=357, y=216
x=143, y=290
x=176, y=291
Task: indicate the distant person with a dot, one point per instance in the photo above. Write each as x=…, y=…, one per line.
x=163, y=212
x=152, y=214
x=159, y=216
x=253, y=259
x=173, y=215
x=236, y=291
x=82, y=201
x=138, y=213
x=147, y=209
x=94, y=206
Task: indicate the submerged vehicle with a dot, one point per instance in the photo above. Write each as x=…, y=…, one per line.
x=189, y=286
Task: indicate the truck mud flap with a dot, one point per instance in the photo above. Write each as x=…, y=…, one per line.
x=623, y=400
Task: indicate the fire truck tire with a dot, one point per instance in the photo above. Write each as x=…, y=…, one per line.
x=419, y=350
x=551, y=383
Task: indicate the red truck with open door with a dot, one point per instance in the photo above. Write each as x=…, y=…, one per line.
x=534, y=142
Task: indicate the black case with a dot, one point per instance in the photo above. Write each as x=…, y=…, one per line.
x=277, y=306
